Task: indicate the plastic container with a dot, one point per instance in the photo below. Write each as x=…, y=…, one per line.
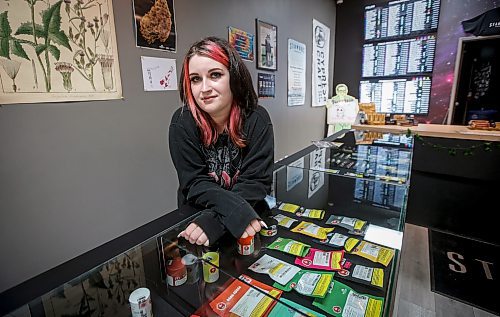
x=140, y=303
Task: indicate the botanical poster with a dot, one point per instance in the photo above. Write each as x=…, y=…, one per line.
x=54, y=51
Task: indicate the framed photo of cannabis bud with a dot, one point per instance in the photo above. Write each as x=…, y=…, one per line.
x=155, y=24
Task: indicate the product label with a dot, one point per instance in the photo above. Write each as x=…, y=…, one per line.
x=289, y=207
x=309, y=283
x=338, y=239
x=321, y=260
x=278, y=270
x=348, y=221
x=312, y=213
x=363, y=273
x=374, y=252
x=211, y=272
x=312, y=230
x=355, y=305
x=242, y=300
x=284, y=221
x=289, y=246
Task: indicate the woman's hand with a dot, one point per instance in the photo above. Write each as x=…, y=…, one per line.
x=195, y=235
x=254, y=227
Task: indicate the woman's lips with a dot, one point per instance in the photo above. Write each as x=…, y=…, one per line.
x=208, y=98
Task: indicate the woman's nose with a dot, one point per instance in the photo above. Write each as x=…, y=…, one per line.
x=205, y=85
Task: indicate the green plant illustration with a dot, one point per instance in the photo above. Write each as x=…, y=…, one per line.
x=85, y=34
x=46, y=37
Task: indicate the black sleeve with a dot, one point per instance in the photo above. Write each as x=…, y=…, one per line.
x=255, y=180
x=199, y=188
x=210, y=222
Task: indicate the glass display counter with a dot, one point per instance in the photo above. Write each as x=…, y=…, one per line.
x=331, y=249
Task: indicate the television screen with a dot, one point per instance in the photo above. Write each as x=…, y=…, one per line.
x=402, y=95
x=401, y=18
x=399, y=58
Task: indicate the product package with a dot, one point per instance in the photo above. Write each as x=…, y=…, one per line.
x=341, y=300
x=280, y=271
x=354, y=225
x=374, y=253
x=288, y=207
x=321, y=260
x=290, y=246
x=242, y=300
x=309, y=283
x=280, y=310
x=284, y=221
x=312, y=230
x=339, y=241
x=311, y=213
x=362, y=274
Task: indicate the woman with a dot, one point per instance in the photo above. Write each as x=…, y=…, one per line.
x=221, y=143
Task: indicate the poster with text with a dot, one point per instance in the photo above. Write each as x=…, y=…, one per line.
x=242, y=42
x=265, y=85
x=55, y=51
x=155, y=25
x=159, y=73
x=296, y=73
x=320, y=62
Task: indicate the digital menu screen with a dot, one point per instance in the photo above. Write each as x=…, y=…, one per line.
x=401, y=18
x=405, y=95
x=399, y=58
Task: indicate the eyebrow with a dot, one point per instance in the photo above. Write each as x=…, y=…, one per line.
x=210, y=70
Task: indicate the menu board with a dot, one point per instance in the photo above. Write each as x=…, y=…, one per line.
x=398, y=55
x=401, y=18
x=402, y=95
x=399, y=58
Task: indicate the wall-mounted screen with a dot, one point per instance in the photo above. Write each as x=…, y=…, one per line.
x=405, y=95
x=401, y=18
x=399, y=58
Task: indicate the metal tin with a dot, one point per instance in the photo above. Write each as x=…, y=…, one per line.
x=211, y=271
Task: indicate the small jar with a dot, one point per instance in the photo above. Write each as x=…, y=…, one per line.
x=246, y=245
x=176, y=272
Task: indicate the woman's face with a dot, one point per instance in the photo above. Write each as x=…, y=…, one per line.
x=210, y=86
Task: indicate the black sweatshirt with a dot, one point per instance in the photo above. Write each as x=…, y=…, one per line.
x=228, y=183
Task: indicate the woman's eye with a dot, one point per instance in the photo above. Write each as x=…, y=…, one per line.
x=216, y=75
x=194, y=79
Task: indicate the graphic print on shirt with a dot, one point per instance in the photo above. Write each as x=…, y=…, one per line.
x=223, y=162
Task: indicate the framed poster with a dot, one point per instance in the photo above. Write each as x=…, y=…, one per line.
x=242, y=42
x=58, y=51
x=155, y=26
x=267, y=45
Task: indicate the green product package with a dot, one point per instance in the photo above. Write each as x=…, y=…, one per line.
x=290, y=246
x=309, y=283
x=281, y=310
x=341, y=300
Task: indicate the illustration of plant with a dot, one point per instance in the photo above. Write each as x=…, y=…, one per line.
x=11, y=67
x=46, y=37
x=107, y=70
x=65, y=69
x=86, y=57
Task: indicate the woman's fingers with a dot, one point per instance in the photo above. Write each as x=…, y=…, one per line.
x=255, y=225
x=202, y=239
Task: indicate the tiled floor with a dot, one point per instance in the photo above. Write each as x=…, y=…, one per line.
x=413, y=293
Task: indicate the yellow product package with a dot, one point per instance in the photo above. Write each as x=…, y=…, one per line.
x=288, y=207
x=312, y=230
x=311, y=213
x=374, y=253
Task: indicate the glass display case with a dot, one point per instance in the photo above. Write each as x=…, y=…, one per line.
x=331, y=248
